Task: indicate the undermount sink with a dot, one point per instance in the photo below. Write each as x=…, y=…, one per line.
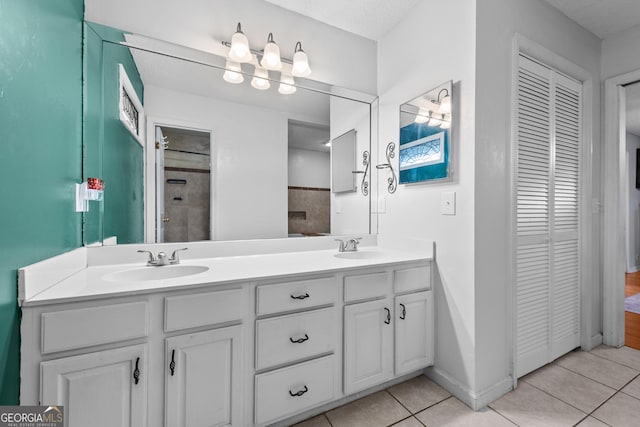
x=155, y=273
x=358, y=255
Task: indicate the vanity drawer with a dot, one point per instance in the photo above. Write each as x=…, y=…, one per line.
x=295, y=295
x=84, y=327
x=294, y=389
x=412, y=279
x=193, y=310
x=276, y=338
x=366, y=286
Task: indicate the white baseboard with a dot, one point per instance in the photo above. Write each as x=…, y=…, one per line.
x=595, y=341
x=474, y=400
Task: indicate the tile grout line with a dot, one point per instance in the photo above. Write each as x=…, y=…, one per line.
x=582, y=375
x=567, y=403
x=504, y=416
x=423, y=409
x=611, y=360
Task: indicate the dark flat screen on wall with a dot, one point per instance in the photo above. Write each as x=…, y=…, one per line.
x=638, y=168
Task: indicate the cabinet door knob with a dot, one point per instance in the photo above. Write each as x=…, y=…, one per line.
x=299, y=392
x=136, y=372
x=300, y=340
x=304, y=296
x=404, y=312
x=172, y=365
x=388, y=321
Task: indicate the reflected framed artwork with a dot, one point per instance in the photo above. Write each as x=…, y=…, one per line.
x=425, y=137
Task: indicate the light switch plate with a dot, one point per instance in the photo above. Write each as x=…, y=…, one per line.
x=448, y=205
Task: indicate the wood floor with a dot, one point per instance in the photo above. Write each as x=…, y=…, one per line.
x=632, y=320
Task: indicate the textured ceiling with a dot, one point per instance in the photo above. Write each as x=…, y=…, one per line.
x=368, y=18
x=603, y=18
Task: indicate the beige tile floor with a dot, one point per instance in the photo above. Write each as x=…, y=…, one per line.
x=596, y=388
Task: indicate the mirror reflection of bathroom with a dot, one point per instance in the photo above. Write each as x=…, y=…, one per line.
x=183, y=184
x=309, y=183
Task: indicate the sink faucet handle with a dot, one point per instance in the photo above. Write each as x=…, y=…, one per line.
x=152, y=259
x=174, y=256
x=342, y=244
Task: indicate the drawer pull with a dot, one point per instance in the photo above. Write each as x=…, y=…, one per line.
x=404, y=312
x=136, y=372
x=300, y=340
x=299, y=393
x=305, y=296
x=388, y=321
x=172, y=365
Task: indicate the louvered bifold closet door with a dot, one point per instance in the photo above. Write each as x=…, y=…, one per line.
x=548, y=123
x=533, y=168
x=565, y=302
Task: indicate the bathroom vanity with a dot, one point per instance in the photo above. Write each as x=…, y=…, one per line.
x=251, y=339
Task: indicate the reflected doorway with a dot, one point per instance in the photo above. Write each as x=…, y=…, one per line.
x=183, y=184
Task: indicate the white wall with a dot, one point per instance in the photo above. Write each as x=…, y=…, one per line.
x=409, y=64
x=336, y=56
x=249, y=161
x=633, y=213
x=621, y=53
x=309, y=168
x=350, y=211
x=497, y=22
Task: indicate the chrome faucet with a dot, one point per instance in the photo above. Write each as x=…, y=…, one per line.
x=162, y=258
x=349, y=245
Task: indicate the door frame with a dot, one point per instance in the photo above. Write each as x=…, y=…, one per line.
x=588, y=268
x=150, y=174
x=614, y=251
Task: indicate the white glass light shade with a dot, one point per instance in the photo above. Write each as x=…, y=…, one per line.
x=271, y=57
x=434, y=121
x=286, y=85
x=239, y=50
x=423, y=115
x=259, y=80
x=445, y=104
x=446, y=122
x=232, y=72
x=300, y=67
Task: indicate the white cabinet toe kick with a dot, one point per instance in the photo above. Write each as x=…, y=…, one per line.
x=253, y=353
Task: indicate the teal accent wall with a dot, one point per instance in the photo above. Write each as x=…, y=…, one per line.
x=40, y=151
x=111, y=151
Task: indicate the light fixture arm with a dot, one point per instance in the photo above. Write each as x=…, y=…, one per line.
x=258, y=53
x=440, y=93
x=392, y=181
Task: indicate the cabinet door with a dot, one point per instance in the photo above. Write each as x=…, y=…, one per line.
x=368, y=344
x=107, y=388
x=414, y=331
x=204, y=378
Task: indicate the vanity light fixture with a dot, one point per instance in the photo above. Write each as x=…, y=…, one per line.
x=434, y=120
x=271, y=56
x=444, y=102
x=446, y=122
x=260, y=79
x=239, y=50
x=423, y=115
x=233, y=72
x=286, y=84
x=300, y=66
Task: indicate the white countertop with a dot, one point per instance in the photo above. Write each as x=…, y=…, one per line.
x=90, y=283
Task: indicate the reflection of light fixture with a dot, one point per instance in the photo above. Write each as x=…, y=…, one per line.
x=286, y=84
x=423, y=115
x=434, y=121
x=271, y=56
x=260, y=79
x=327, y=144
x=233, y=72
x=446, y=122
x=444, y=102
x=300, y=66
x=239, y=50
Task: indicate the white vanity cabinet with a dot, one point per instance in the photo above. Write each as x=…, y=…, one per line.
x=204, y=378
x=394, y=323
x=101, y=389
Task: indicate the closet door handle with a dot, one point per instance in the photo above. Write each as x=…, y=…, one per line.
x=304, y=296
x=136, y=372
x=300, y=340
x=299, y=392
x=172, y=365
x=404, y=312
x=388, y=321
